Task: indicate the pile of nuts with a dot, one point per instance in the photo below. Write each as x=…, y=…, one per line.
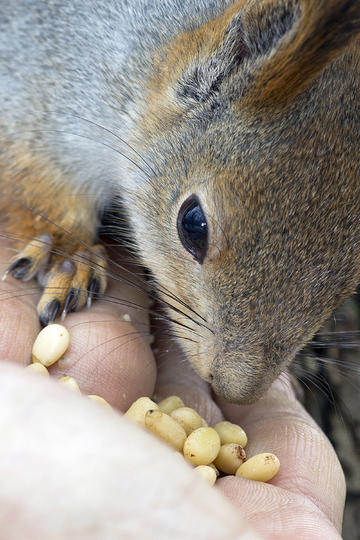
x=212, y=451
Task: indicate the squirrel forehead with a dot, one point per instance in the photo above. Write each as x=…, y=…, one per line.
x=217, y=144
x=202, y=113
x=231, y=163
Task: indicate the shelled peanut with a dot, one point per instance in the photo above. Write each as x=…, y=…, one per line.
x=51, y=343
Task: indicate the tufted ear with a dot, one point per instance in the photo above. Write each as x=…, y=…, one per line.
x=265, y=51
x=247, y=31
x=276, y=46
x=320, y=31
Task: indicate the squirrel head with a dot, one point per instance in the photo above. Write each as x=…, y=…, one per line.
x=252, y=228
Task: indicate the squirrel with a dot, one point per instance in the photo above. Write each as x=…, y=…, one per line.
x=228, y=130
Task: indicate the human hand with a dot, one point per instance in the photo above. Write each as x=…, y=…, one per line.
x=72, y=470
x=306, y=498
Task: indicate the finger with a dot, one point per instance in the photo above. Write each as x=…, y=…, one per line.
x=277, y=513
x=108, y=355
x=309, y=466
x=177, y=377
x=18, y=318
x=92, y=474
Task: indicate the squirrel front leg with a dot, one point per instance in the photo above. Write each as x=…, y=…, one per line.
x=54, y=226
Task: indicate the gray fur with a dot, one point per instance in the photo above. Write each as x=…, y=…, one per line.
x=89, y=59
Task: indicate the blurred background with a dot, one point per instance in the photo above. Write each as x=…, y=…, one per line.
x=328, y=372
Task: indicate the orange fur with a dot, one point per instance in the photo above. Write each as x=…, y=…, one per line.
x=54, y=206
x=170, y=62
x=322, y=33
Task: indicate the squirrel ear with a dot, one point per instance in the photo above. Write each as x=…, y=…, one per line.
x=258, y=27
x=319, y=32
x=245, y=32
x=271, y=50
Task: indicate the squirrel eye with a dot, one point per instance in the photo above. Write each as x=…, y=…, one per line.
x=192, y=228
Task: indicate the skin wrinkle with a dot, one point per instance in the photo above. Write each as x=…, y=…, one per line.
x=290, y=439
x=274, y=509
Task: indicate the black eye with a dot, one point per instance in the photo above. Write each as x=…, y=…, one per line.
x=192, y=228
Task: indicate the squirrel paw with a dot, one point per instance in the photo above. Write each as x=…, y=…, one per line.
x=69, y=282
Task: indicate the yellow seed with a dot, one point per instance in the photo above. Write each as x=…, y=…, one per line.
x=207, y=473
x=202, y=446
x=169, y=404
x=262, y=467
x=70, y=383
x=38, y=368
x=165, y=427
x=188, y=418
x=230, y=457
x=99, y=400
x=139, y=408
x=231, y=433
x=50, y=344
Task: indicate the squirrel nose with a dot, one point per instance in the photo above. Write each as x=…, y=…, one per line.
x=240, y=380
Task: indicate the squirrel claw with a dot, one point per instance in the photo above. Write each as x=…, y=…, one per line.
x=19, y=269
x=74, y=282
x=71, y=303
x=28, y=262
x=94, y=288
x=49, y=314
x=69, y=284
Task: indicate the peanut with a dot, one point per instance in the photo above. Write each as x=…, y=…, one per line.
x=188, y=418
x=207, y=473
x=230, y=457
x=169, y=404
x=70, y=383
x=231, y=433
x=139, y=408
x=38, y=368
x=99, y=400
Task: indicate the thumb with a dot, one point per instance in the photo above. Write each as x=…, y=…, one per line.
x=310, y=482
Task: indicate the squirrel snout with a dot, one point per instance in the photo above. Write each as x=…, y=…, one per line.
x=241, y=379
x=235, y=387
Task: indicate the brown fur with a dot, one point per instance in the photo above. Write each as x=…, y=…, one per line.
x=171, y=61
x=283, y=212
x=31, y=180
x=325, y=29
